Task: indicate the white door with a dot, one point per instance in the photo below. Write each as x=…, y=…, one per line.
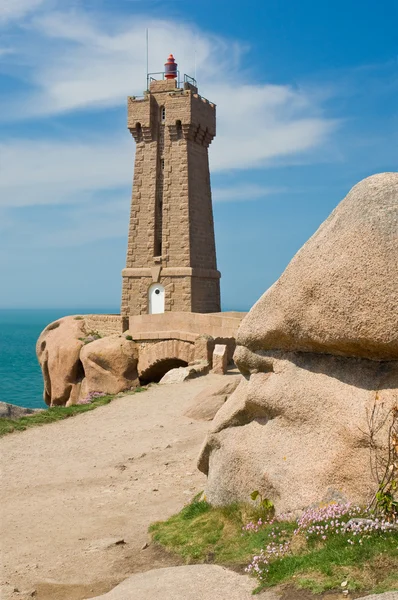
x=156, y=299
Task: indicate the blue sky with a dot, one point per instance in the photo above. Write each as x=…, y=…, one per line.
x=306, y=95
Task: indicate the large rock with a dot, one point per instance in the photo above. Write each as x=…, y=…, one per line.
x=179, y=375
x=12, y=411
x=220, y=359
x=208, y=402
x=318, y=352
x=339, y=294
x=110, y=365
x=202, y=582
x=58, y=351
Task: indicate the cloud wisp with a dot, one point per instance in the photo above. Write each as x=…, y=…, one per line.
x=74, y=61
x=35, y=173
x=11, y=10
x=245, y=193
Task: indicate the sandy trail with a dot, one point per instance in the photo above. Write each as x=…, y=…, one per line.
x=70, y=489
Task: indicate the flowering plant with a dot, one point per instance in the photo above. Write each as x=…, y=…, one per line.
x=351, y=524
x=90, y=397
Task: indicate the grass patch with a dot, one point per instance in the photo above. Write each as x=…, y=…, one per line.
x=56, y=413
x=201, y=533
x=367, y=567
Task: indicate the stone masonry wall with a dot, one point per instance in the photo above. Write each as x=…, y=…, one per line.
x=171, y=174
x=201, y=225
x=103, y=324
x=205, y=295
x=177, y=294
x=140, y=249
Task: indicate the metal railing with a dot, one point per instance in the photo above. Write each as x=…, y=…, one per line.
x=180, y=83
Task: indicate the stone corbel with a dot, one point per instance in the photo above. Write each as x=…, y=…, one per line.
x=155, y=272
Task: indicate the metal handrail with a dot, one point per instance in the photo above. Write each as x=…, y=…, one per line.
x=187, y=79
x=191, y=80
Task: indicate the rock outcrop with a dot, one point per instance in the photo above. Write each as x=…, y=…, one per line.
x=110, y=365
x=58, y=351
x=207, y=403
x=319, y=352
x=75, y=360
x=339, y=294
x=220, y=359
x=181, y=374
x=202, y=582
x=12, y=411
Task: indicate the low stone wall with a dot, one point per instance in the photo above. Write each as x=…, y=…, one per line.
x=104, y=324
x=218, y=325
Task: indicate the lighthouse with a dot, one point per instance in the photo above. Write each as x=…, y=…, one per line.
x=171, y=256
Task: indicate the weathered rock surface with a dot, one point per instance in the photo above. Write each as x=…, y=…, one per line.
x=11, y=411
x=204, y=347
x=202, y=582
x=386, y=596
x=179, y=375
x=207, y=403
x=317, y=352
x=339, y=294
x=58, y=351
x=220, y=359
x=299, y=433
x=110, y=365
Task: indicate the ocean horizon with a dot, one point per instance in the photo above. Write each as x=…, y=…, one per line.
x=21, y=381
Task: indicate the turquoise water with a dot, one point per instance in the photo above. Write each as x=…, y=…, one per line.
x=20, y=375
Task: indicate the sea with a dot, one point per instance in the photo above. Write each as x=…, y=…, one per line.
x=21, y=381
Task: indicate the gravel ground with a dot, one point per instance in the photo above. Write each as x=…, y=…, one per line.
x=77, y=496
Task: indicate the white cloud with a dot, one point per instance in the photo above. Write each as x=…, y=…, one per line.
x=89, y=63
x=51, y=172
x=15, y=9
x=75, y=225
x=77, y=62
x=73, y=61
x=244, y=193
x=87, y=223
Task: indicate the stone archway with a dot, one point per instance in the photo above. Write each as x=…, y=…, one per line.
x=156, y=359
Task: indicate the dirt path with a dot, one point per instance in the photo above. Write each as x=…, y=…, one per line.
x=72, y=489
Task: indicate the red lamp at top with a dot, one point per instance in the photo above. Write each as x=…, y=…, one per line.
x=170, y=68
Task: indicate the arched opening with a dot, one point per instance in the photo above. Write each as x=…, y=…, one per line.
x=162, y=114
x=155, y=373
x=156, y=295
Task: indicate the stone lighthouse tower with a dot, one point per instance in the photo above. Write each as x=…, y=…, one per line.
x=171, y=255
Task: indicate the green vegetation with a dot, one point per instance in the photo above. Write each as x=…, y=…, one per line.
x=371, y=566
x=56, y=413
x=91, y=336
x=202, y=533
x=293, y=553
